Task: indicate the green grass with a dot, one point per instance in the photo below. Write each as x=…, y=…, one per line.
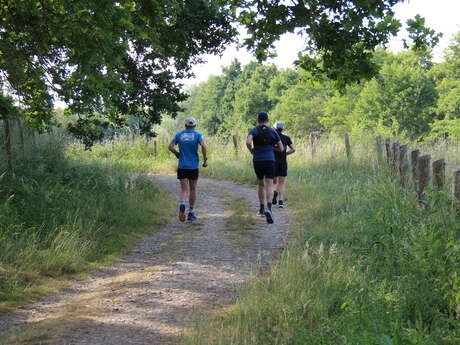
x=68, y=213
x=366, y=264
x=129, y=154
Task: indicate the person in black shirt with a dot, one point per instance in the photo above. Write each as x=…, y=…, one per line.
x=262, y=141
x=281, y=166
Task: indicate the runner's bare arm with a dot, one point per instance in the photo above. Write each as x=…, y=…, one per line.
x=291, y=149
x=204, y=151
x=173, y=149
x=249, y=143
x=279, y=146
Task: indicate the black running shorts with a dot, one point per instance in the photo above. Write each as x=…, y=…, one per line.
x=264, y=169
x=191, y=174
x=281, y=169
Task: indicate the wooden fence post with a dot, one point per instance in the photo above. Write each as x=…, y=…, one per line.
x=414, y=158
x=456, y=191
x=7, y=145
x=235, y=143
x=388, y=150
x=403, y=166
x=313, y=144
x=423, y=174
x=379, y=148
x=155, y=149
x=395, y=158
x=347, y=146
x=439, y=173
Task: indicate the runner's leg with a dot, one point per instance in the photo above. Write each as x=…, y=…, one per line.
x=261, y=192
x=281, y=187
x=268, y=182
x=183, y=189
x=182, y=198
x=192, y=198
x=268, y=186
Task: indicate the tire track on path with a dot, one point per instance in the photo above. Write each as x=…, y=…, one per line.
x=150, y=295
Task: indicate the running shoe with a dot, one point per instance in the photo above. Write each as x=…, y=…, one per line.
x=191, y=217
x=275, y=195
x=269, y=216
x=281, y=204
x=182, y=213
x=261, y=212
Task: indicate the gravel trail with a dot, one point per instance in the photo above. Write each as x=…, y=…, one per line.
x=150, y=295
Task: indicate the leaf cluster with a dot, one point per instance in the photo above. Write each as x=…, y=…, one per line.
x=121, y=57
x=340, y=35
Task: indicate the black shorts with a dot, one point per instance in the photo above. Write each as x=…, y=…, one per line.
x=281, y=169
x=264, y=169
x=191, y=174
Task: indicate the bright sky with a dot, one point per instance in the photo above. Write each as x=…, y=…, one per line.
x=441, y=15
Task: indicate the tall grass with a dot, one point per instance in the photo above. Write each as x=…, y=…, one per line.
x=130, y=153
x=366, y=264
x=66, y=212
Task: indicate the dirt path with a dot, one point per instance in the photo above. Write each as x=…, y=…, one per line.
x=150, y=295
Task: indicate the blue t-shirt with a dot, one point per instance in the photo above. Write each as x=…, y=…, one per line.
x=188, y=148
x=264, y=138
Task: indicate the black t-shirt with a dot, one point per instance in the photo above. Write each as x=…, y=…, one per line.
x=281, y=156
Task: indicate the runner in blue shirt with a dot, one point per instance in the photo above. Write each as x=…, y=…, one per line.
x=188, y=168
x=261, y=142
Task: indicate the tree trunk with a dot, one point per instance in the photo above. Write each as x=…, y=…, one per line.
x=21, y=136
x=7, y=145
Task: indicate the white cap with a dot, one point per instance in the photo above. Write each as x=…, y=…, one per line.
x=190, y=121
x=279, y=125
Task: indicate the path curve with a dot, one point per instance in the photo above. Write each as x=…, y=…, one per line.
x=148, y=296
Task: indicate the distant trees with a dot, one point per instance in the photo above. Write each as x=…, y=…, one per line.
x=401, y=101
x=448, y=87
x=411, y=96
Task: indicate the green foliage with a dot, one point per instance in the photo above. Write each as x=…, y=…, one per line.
x=107, y=57
x=405, y=99
x=252, y=96
x=400, y=102
x=338, y=109
x=448, y=86
x=7, y=108
x=423, y=38
x=302, y=106
x=64, y=216
x=341, y=35
x=446, y=128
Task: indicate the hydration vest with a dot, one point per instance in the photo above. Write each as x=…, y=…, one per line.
x=263, y=137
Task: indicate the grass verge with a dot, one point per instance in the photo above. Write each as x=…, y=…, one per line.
x=366, y=264
x=65, y=214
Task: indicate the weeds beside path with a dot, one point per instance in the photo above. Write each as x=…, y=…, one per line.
x=148, y=296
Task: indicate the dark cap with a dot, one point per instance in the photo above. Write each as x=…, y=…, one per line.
x=262, y=116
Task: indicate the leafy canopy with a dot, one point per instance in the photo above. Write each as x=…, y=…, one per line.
x=111, y=57
x=341, y=35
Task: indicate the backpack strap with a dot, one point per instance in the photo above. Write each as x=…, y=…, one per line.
x=263, y=137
